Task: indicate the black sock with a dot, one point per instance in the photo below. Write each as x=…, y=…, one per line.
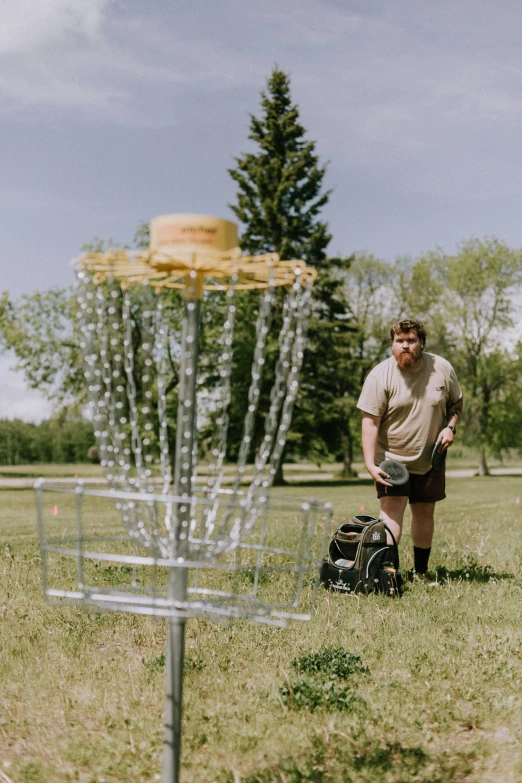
x=420, y=559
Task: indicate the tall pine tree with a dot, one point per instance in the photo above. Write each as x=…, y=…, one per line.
x=279, y=201
x=280, y=186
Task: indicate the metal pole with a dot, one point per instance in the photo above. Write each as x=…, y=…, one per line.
x=185, y=439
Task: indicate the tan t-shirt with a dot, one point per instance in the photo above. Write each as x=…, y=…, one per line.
x=412, y=406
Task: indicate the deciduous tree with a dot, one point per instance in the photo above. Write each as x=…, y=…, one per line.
x=480, y=284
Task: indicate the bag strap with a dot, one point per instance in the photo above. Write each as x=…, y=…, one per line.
x=396, y=551
x=391, y=534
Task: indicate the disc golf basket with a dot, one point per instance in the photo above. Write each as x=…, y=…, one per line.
x=163, y=541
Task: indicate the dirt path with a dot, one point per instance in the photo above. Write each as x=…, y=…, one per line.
x=28, y=483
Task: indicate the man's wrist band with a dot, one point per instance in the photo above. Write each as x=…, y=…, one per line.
x=453, y=429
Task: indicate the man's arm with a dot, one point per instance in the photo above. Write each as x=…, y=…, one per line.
x=454, y=412
x=370, y=430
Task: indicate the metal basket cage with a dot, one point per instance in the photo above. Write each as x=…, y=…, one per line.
x=270, y=575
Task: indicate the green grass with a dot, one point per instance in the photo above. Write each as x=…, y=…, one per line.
x=428, y=691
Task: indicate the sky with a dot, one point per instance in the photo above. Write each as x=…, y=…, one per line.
x=115, y=111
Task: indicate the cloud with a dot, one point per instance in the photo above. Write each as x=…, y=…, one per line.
x=41, y=48
x=310, y=23
x=409, y=84
x=378, y=85
x=104, y=57
x=31, y=25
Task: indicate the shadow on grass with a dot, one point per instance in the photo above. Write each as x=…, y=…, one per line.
x=467, y=574
x=367, y=761
x=468, y=569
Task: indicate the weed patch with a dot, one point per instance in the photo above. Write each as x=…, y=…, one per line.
x=312, y=693
x=112, y=574
x=191, y=663
x=32, y=773
x=331, y=662
x=320, y=680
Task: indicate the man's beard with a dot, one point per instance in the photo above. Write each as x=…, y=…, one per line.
x=407, y=360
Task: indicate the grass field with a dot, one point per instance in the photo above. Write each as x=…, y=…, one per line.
x=431, y=690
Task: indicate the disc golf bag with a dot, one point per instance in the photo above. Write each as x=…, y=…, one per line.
x=360, y=559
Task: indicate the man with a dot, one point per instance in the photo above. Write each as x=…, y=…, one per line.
x=410, y=401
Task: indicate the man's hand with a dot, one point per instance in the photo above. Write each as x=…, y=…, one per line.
x=378, y=475
x=446, y=438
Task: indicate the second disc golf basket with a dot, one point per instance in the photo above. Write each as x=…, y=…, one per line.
x=156, y=327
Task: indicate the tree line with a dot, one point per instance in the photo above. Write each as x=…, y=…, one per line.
x=54, y=440
x=467, y=299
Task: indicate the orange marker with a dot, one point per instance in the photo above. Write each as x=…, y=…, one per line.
x=361, y=507
x=53, y=510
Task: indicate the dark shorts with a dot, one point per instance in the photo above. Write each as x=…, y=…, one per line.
x=428, y=488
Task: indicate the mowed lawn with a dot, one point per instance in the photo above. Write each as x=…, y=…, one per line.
x=434, y=694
